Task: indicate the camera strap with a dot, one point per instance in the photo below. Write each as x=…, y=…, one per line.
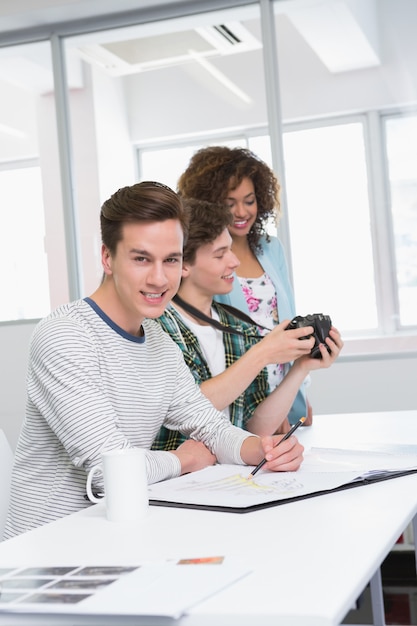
x=227, y=307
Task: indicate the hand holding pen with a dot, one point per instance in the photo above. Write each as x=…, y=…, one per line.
x=286, y=436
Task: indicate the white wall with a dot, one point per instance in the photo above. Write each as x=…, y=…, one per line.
x=375, y=384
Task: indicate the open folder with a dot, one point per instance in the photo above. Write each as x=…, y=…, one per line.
x=324, y=470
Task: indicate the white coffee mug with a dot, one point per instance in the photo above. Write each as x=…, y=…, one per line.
x=125, y=484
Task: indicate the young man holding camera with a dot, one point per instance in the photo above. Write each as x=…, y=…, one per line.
x=229, y=366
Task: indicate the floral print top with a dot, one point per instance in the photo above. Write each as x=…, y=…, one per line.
x=262, y=302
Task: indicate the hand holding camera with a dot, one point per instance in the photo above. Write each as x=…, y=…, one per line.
x=321, y=324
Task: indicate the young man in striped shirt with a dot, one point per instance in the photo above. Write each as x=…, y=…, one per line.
x=103, y=374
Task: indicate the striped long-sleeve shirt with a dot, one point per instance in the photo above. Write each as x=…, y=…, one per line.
x=90, y=387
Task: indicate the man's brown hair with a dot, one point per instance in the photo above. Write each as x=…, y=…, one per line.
x=206, y=222
x=147, y=201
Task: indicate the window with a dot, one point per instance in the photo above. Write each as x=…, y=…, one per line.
x=167, y=86
x=333, y=235
x=329, y=218
x=166, y=164
x=25, y=283
x=34, y=263
x=401, y=141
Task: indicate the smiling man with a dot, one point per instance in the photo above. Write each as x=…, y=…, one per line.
x=102, y=375
x=228, y=361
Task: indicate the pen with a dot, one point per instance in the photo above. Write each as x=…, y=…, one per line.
x=289, y=433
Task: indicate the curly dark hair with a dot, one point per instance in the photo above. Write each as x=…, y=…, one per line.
x=213, y=171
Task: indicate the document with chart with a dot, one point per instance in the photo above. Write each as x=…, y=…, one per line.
x=229, y=488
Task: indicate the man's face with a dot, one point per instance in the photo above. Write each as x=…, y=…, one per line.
x=145, y=271
x=215, y=263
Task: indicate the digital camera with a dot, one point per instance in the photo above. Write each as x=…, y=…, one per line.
x=321, y=324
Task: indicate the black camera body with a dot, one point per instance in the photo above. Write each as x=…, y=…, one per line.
x=321, y=324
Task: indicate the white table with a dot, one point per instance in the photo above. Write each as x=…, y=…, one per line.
x=311, y=559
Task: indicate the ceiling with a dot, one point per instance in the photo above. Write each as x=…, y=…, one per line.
x=328, y=27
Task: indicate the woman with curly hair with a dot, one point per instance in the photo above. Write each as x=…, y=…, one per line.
x=248, y=186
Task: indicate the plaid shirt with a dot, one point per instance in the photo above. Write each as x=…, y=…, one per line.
x=234, y=346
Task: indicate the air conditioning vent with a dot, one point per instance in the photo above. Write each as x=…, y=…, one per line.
x=120, y=58
x=227, y=34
